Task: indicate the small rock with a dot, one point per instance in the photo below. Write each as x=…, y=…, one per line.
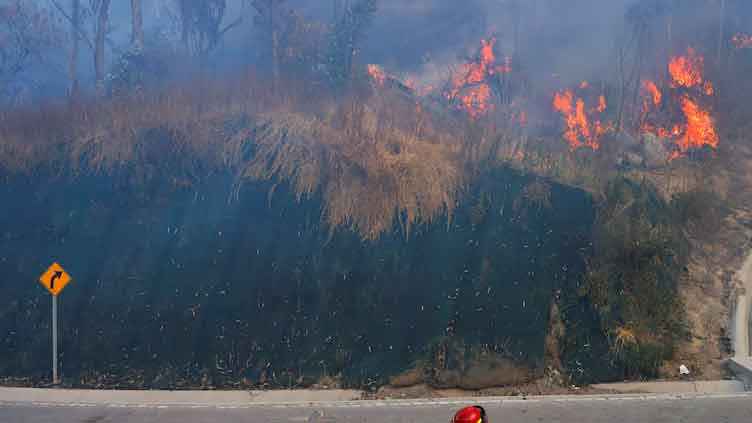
x=655, y=150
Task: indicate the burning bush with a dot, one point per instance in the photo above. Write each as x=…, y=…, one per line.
x=688, y=90
x=471, y=87
x=583, y=128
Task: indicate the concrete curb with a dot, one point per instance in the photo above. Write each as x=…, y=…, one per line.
x=174, y=397
x=668, y=387
x=30, y=397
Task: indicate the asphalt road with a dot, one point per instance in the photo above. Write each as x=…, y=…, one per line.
x=683, y=408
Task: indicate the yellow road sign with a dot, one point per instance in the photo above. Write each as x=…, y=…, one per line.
x=55, y=279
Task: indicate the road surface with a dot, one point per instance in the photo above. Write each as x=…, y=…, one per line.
x=659, y=408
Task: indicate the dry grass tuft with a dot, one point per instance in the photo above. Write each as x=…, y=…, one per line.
x=369, y=181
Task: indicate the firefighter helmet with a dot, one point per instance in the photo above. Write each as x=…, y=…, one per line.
x=472, y=414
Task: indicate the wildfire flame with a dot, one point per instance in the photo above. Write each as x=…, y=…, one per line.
x=700, y=128
x=580, y=130
x=686, y=71
x=655, y=92
x=380, y=77
x=689, y=85
x=601, y=104
x=377, y=74
x=470, y=85
x=741, y=41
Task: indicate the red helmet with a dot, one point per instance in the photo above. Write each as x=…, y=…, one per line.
x=472, y=414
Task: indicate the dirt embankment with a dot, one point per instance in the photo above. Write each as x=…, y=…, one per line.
x=709, y=291
x=719, y=269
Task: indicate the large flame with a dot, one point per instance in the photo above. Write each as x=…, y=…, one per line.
x=686, y=70
x=582, y=130
x=700, y=129
x=688, y=89
x=470, y=85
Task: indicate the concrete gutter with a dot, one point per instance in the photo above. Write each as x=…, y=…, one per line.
x=741, y=319
x=675, y=387
x=92, y=396
x=741, y=363
x=741, y=315
x=742, y=369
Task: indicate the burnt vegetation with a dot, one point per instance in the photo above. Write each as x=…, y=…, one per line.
x=273, y=109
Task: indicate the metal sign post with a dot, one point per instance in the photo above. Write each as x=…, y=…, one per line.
x=55, y=379
x=55, y=280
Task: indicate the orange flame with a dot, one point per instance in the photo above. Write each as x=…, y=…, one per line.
x=476, y=102
x=656, y=93
x=601, y=104
x=654, y=99
x=700, y=127
x=377, y=74
x=741, y=41
x=470, y=85
x=580, y=131
x=563, y=104
x=686, y=70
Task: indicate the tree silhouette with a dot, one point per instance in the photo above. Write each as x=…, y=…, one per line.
x=347, y=33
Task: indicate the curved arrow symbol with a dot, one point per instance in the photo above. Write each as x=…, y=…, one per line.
x=54, y=277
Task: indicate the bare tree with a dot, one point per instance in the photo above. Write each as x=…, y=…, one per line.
x=336, y=8
x=346, y=35
x=27, y=32
x=100, y=10
x=721, y=30
x=201, y=23
x=632, y=48
x=268, y=18
x=74, y=50
x=103, y=15
x=137, y=20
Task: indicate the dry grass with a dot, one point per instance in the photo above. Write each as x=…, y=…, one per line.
x=100, y=136
x=369, y=181
x=374, y=160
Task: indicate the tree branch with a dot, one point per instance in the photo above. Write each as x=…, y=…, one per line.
x=232, y=25
x=81, y=33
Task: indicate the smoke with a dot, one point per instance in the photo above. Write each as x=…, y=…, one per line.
x=557, y=43
x=565, y=40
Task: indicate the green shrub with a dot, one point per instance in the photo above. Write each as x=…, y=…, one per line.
x=633, y=276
